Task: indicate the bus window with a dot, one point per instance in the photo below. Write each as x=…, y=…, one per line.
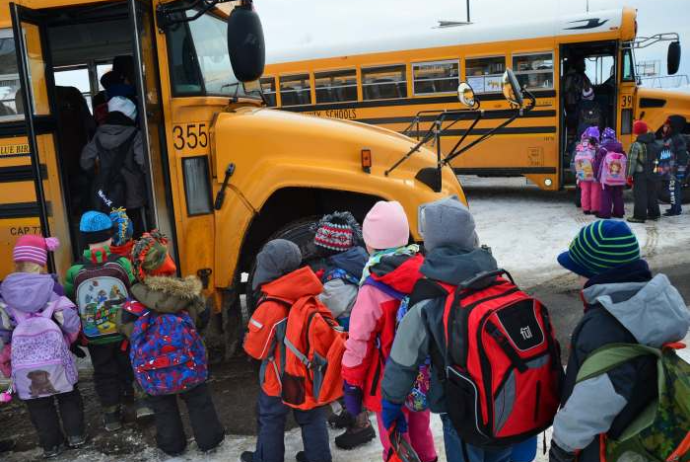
x=600, y=68
x=386, y=82
x=436, y=77
x=199, y=62
x=196, y=185
x=534, y=71
x=268, y=86
x=77, y=77
x=485, y=74
x=9, y=78
x=336, y=86
x=628, y=74
x=295, y=89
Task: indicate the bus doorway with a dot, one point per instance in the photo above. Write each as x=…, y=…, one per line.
x=77, y=47
x=586, y=65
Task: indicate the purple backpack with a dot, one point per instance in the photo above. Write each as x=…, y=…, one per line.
x=42, y=364
x=613, y=169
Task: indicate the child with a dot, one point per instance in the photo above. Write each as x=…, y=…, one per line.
x=453, y=256
x=644, y=153
x=336, y=239
x=122, y=237
x=624, y=303
x=674, y=142
x=390, y=275
x=99, y=284
x=117, y=145
x=28, y=301
x=585, y=154
x=610, y=195
x=158, y=293
x=281, y=284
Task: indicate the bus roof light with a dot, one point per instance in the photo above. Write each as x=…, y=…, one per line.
x=366, y=160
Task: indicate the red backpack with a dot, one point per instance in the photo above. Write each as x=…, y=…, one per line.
x=502, y=363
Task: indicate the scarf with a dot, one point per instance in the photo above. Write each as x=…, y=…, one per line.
x=376, y=258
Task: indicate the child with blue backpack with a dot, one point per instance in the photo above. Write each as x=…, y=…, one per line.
x=342, y=259
x=37, y=327
x=167, y=353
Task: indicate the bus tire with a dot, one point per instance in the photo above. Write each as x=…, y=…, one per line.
x=300, y=232
x=665, y=194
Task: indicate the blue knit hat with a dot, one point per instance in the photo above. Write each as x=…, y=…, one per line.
x=600, y=247
x=95, y=227
x=123, y=226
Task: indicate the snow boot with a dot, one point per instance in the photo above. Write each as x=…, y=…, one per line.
x=354, y=437
x=76, y=441
x=341, y=420
x=53, y=452
x=247, y=456
x=112, y=419
x=6, y=445
x=143, y=411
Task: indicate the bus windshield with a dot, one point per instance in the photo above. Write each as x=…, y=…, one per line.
x=199, y=59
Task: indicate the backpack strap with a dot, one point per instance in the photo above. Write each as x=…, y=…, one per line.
x=611, y=356
x=485, y=279
x=135, y=308
x=385, y=288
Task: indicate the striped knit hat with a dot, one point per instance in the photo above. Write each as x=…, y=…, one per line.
x=34, y=249
x=338, y=231
x=600, y=247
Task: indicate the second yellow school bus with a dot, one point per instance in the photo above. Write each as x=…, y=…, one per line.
x=395, y=83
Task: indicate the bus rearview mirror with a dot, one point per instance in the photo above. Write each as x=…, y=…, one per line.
x=673, y=58
x=246, y=43
x=466, y=95
x=511, y=88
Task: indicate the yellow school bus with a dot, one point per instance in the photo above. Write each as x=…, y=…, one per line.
x=398, y=83
x=224, y=173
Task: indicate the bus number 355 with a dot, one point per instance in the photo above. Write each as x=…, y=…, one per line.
x=191, y=136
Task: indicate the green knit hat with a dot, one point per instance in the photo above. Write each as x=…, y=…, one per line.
x=600, y=247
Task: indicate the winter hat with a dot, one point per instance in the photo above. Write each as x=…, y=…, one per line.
x=33, y=248
x=123, y=226
x=609, y=134
x=278, y=258
x=150, y=256
x=123, y=105
x=588, y=93
x=599, y=247
x=591, y=132
x=640, y=127
x=338, y=231
x=447, y=221
x=95, y=227
x=386, y=226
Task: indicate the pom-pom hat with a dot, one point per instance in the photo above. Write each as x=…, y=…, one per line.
x=33, y=248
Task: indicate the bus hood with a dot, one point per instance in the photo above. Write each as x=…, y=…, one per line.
x=655, y=106
x=259, y=140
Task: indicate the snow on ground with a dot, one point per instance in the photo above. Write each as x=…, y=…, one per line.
x=526, y=231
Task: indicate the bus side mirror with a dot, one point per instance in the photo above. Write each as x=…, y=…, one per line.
x=466, y=95
x=511, y=88
x=246, y=43
x=673, y=58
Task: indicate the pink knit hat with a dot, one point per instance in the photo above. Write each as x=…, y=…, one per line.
x=34, y=249
x=386, y=226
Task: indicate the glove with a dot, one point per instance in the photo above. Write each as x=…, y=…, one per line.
x=77, y=350
x=392, y=413
x=630, y=182
x=558, y=454
x=352, y=396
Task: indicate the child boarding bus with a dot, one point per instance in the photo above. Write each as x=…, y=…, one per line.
x=224, y=174
x=396, y=83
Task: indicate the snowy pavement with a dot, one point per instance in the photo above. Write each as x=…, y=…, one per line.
x=526, y=229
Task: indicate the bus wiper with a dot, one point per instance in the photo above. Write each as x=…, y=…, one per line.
x=168, y=15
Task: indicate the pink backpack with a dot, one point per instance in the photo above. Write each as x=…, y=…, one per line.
x=42, y=364
x=613, y=169
x=584, y=161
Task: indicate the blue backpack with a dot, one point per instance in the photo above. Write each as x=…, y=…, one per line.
x=167, y=353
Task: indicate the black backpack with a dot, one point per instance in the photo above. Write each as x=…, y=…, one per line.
x=109, y=186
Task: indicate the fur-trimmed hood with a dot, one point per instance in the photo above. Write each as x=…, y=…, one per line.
x=169, y=294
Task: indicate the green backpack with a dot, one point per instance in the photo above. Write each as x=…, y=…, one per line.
x=661, y=433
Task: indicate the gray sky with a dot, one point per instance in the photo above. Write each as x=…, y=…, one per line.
x=294, y=23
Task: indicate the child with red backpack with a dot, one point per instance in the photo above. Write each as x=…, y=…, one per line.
x=467, y=317
x=292, y=375
x=388, y=278
x=99, y=284
x=611, y=170
x=167, y=353
x=37, y=327
x=585, y=155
